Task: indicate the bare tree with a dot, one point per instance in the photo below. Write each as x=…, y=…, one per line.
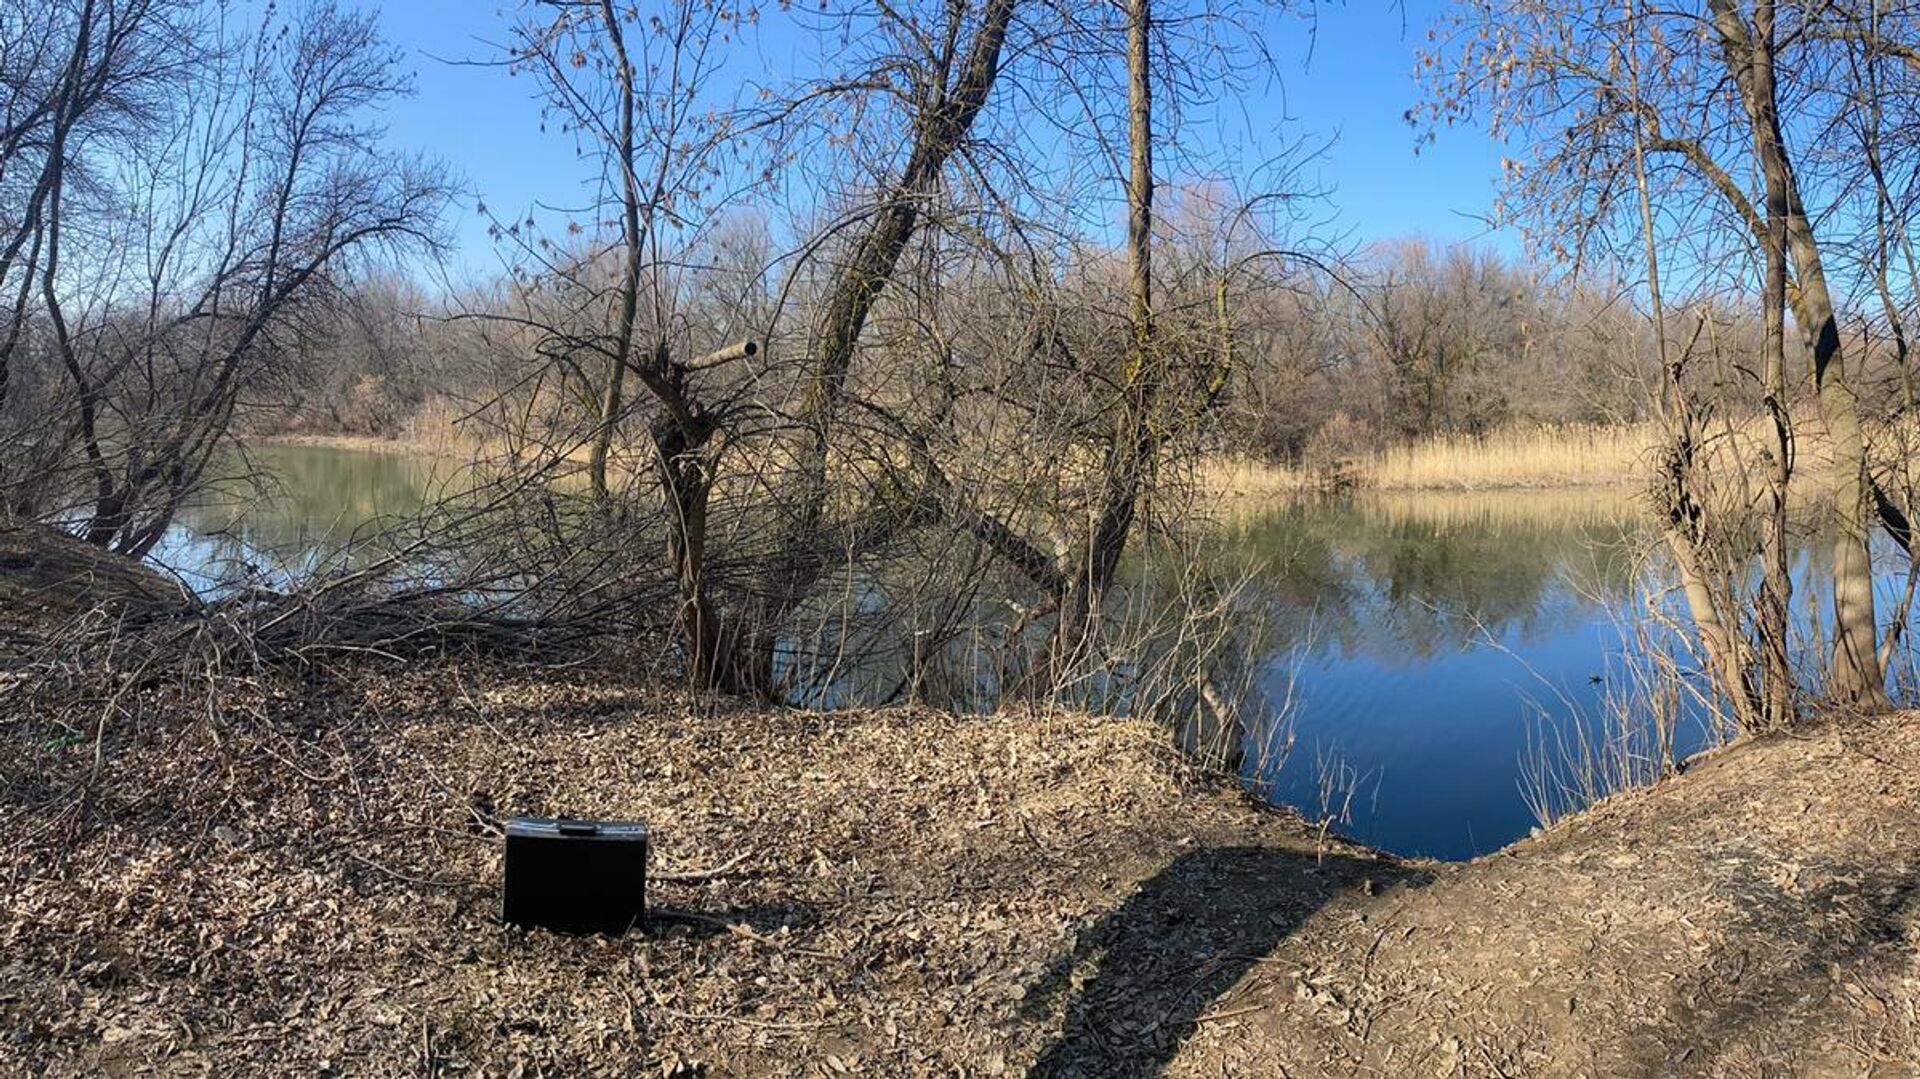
x=177, y=262
x=947, y=78
x=636, y=93
x=1634, y=99
x=74, y=74
x=940, y=384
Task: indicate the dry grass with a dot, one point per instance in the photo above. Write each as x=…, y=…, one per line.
x=1540, y=457
x=1576, y=456
x=1516, y=458
x=1536, y=457
x=346, y=443
x=436, y=430
x=1244, y=477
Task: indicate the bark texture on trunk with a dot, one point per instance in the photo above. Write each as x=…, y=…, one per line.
x=1779, y=689
x=949, y=105
x=1855, y=678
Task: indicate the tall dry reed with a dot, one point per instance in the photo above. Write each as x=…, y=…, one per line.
x=1575, y=455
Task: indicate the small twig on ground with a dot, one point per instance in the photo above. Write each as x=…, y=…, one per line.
x=397, y=875
x=1214, y=1017
x=702, y=875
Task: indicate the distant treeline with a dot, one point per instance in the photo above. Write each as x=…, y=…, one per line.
x=1402, y=342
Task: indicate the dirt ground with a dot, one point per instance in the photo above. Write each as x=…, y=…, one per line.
x=1757, y=916
x=48, y=579
x=313, y=889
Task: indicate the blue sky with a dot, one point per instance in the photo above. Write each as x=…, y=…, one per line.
x=1351, y=78
x=1345, y=76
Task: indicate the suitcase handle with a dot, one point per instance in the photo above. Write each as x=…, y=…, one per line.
x=577, y=827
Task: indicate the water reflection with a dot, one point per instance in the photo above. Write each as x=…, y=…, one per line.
x=307, y=506
x=1423, y=639
x=1437, y=640
x=1412, y=577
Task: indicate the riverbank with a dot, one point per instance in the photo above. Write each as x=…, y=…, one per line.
x=896, y=891
x=1758, y=916
x=1574, y=456
x=50, y=580
x=313, y=889
x=364, y=444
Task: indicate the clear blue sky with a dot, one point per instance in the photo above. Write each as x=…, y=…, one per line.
x=1345, y=75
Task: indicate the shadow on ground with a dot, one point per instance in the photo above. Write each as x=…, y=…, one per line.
x=1165, y=960
x=687, y=923
x=1814, y=944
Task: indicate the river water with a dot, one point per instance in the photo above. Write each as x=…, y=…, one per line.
x=1426, y=646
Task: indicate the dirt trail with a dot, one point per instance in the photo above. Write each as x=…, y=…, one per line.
x=1756, y=917
x=310, y=890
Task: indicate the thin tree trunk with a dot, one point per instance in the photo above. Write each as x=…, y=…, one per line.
x=1855, y=678
x=1776, y=588
x=606, y=418
x=612, y=394
x=1133, y=447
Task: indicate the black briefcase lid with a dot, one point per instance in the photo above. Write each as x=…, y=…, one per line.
x=575, y=876
x=543, y=828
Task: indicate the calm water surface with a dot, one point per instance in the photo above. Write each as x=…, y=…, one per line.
x=314, y=502
x=1428, y=640
x=1422, y=639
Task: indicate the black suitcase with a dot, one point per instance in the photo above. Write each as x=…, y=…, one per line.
x=576, y=876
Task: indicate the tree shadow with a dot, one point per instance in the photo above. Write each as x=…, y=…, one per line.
x=1780, y=977
x=685, y=923
x=1166, y=956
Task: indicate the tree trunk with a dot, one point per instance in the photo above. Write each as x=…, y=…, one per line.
x=1131, y=452
x=686, y=486
x=1779, y=689
x=1855, y=679
x=606, y=418
x=947, y=116
x=1728, y=663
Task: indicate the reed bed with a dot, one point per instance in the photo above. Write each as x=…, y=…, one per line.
x=1521, y=457
x=1567, y=456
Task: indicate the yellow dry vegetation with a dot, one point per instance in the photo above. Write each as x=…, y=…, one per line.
x=1520, y=457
